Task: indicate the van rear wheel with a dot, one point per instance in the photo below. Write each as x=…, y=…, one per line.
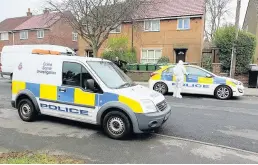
x=116, y=125
x=26, y=110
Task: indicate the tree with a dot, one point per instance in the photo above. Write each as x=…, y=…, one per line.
x=215, y=12
x=95, y=19
x=245, y=45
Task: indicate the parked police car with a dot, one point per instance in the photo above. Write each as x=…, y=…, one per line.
x=89, y=90
x=199, y=81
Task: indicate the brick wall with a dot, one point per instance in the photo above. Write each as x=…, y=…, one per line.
x=59, y=34
x=167, y=39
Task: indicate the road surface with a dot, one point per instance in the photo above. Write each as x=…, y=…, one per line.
x=230, y=123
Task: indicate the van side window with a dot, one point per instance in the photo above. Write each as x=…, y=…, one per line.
x=76, y=75
x=72, y=74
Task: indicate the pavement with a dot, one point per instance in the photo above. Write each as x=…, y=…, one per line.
x=200, y=130
x=248, y=91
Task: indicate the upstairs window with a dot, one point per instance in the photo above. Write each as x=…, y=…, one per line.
x=152, y=25
x=4, y=36
x=117, y=29
x=40, y=34
x=75, y=36
x=183, y=24
x=24, y=35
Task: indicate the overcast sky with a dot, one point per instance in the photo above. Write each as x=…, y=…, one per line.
x=17, y=8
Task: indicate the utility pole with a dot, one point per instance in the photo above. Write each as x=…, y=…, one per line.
x=233, y=55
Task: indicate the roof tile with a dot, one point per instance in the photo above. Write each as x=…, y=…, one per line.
x=11, y=23
x=172, y=8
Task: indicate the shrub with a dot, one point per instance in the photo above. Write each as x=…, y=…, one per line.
x=224, y=38
x=118, y=47
x=163, y=60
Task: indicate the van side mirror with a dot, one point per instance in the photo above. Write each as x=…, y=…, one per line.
x=91, y=84
x=208, y=76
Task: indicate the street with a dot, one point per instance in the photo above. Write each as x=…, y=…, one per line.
x=231, y=123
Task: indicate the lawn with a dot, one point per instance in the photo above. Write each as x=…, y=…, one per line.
x=36, y=158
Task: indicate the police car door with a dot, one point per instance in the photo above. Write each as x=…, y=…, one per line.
x=169, y=78
x=77, y=101
x=198, y=81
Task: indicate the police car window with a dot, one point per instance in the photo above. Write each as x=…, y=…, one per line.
x=196, y=72
x=170, y=70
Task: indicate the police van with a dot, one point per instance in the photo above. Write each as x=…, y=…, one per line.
x=89, y=90
x=11, y=54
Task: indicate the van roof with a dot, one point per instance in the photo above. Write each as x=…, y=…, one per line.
x=29, y=48
x=78, y=58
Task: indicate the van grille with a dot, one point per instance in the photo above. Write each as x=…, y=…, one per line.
x=162, y=105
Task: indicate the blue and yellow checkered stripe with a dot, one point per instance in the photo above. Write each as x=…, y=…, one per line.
x=74, y=95
x=199, y=80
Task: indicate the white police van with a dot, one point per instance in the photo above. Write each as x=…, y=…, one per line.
x=90, y=90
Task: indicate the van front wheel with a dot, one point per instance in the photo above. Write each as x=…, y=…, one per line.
x=116, y=125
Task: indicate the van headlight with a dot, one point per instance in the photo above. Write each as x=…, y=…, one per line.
x=148, y=106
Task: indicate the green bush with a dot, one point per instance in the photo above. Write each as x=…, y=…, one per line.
x=224, y=38
x=207, y=62
x=118, y=47
x=163, y=60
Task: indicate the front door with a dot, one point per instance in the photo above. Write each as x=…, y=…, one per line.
x=180, y=55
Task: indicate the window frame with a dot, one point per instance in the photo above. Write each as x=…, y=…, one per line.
x=26, y=36
x=80, y=87
x=206, y=72
x=183, y=23
x=150, y=49
x=39, y=32
x=114, y=32
x=151, y=29
x=4, y=39
x=75, y=39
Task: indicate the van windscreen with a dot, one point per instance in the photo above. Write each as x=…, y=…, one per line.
x=110, y=74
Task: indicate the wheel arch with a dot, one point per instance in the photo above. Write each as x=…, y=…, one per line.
x=221, y=85
x=27, y=95
x=116, y=106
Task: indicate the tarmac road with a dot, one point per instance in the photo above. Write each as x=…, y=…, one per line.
x=231, y=123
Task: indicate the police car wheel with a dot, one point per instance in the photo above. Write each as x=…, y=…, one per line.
x=161, y=88
x=26, y=110
x=223, y=92
x=116, y=125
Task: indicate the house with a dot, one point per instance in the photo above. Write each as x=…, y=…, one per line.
x=47, y=28
x=251, y=22
x=174, y=28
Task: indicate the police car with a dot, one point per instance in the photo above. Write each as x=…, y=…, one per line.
x=199, y=81
x=89, y=90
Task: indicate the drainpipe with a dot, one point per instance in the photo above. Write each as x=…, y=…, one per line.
x=13, y=37
x=132, y=36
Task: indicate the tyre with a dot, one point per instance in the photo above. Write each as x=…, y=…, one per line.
x=161, y=88
x=26, y=110
x=116, y=125
x=223, y=92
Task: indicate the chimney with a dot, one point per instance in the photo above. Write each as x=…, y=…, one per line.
x=29, y=14
x=45, y=11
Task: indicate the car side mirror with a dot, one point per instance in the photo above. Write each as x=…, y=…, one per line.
x=91, y=84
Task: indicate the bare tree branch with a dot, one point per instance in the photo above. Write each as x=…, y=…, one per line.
x=215, y=11
x=95, y=19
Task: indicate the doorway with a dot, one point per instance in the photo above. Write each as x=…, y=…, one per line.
x=180, y=54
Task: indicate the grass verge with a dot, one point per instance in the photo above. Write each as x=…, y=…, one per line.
x=36, y=158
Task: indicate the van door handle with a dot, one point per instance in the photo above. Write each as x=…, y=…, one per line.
x=62, y=90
